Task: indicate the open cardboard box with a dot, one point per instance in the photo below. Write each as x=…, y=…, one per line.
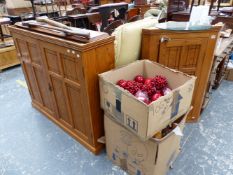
x=152, y=157
x=142, y=119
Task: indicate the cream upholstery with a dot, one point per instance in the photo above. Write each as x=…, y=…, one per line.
x=128, y=40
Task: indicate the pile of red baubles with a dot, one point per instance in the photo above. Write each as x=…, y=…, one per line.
x=146, y=89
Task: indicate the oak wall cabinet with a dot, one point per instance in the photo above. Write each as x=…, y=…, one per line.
x=62, y=77
x=191, y=52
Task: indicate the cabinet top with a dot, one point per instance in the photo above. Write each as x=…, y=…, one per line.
x=102, y=39
x=154, y=30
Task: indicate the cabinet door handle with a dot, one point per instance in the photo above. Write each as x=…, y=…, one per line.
x=164, y=39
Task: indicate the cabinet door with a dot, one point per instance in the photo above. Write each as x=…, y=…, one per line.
x=64, y=69
x=33, y=68
x=187, y=55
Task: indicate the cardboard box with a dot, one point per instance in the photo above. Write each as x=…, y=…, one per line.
x=142, y=119
x=229, y=75
x=152, y=157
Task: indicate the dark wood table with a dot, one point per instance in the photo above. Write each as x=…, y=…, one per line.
x=106, y=9
x=80, y=20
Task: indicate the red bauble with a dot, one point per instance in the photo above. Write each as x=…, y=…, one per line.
x=122, y=83
x=150, y=89
x=129, y=84
x=139, y=79
x=147, y=101
x=132, y=86
x=139, y=85
x=147, y=81
x=160, y=82
x=155, y=96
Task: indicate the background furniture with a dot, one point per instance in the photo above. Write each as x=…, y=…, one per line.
x=8, y=57
x=143, y=8
x=188, y=51
x=17, y=7
x=132, y=12
x=106, y=9
x=111, y=27
x=222, y=54
x=128, y=39
x=62, y=77
x=135, y=18
x=4, y=21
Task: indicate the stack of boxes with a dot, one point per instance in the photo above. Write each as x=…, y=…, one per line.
x=138, y=138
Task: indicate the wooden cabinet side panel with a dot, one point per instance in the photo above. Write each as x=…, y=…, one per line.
x=95, y=62
x=204, y=73
x=150, y=47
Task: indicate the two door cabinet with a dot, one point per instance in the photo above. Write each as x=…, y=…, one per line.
x=62, y=78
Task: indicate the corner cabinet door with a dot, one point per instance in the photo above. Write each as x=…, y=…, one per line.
x=65, y=73
x=188, y=55
x=33, y=68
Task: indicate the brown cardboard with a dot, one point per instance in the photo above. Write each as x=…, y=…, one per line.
x=152, y=157
x=229, y=75
x=145, y=120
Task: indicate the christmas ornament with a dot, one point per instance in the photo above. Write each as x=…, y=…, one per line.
x=160, y=82
x=146, y=90
x=122, y=83
x=147, y=81
x=155, y=96
x=139, y=79
x=149, y=89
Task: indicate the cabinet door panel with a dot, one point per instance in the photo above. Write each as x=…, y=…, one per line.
x=35, y=76
x=187, y=55
x=183, y=54
x=77, y=110
x=44, y=90
x=60, y=100
x=52, y=61
x=34, y=90
x=66, y=77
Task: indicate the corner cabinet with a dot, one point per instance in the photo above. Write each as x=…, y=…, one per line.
x=191, y=52
x=62, y=77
